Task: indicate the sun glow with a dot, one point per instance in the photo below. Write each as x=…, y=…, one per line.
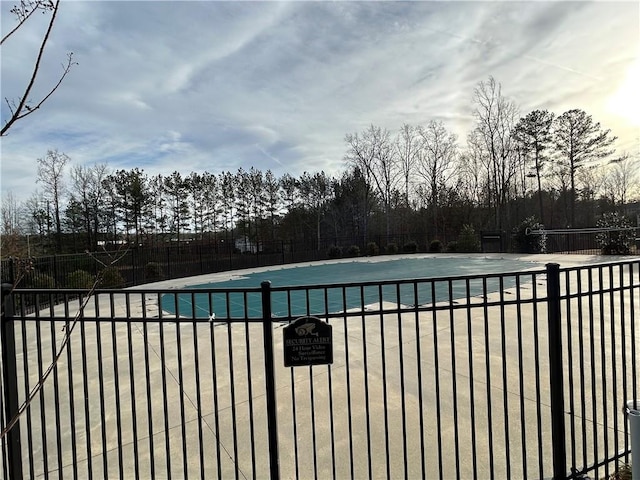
x=625, y=102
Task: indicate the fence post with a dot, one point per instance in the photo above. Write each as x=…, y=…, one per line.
x=134, y=269
x=12, y=271
x=10, y=377
x=269, y=373
x=168, y=261
x=556, y=373
x=56, y=284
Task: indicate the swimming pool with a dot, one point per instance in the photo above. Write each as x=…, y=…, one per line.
x=230, y=299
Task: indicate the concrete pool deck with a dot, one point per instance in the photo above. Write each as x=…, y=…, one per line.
x=357, y=424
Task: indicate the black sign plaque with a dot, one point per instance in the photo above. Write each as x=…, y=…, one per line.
x=308, y=341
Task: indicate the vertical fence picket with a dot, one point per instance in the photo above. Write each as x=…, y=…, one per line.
x=10, y=385
x=272, y=407
x=556, y=373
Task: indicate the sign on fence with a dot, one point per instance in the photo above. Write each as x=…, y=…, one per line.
x=308, y=341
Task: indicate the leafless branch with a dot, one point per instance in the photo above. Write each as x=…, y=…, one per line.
x=68, y=328
x=24, y=11
x=23, y=109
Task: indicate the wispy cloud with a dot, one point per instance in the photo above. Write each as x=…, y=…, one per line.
x=218, y=85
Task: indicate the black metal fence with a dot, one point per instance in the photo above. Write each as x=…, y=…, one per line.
x=520, y=375
x=130, y=266
x=135, y=266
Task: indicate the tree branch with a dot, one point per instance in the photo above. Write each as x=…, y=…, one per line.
x=19, y=111
x=23, y=13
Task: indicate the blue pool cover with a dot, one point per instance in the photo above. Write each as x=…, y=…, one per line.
x=229, y=300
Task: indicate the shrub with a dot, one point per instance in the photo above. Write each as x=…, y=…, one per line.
x=334, y=252
x=614, y=242
x=353, y=251
x=391, y=249
x=410, y=247
x=435, y=246
x=623, y=473
x=372, y=249
x=525, y=241
x=86, y=263
x=452, y=247
x=153, y=272
x=468, y=240
x=80, y=279
x=111, y=278
x=37, y=280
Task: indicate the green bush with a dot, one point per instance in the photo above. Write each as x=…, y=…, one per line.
x=410, y=247
x=452, y=247
x=334, y=252
x=153, y=272
x=435, y=246
x=468, y=240
x=111, y=278
x=372, y=249
x=525, y=241
x=616, y=241
x=80, y=279
x=353, y=251
x=391, y=248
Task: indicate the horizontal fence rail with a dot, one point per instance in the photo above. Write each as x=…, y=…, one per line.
x=431, y=378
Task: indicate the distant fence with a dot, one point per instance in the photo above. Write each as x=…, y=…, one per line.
x=131, y=266
x=142, y=264
x=592, y=240
x=515, y=375
x=589, y=241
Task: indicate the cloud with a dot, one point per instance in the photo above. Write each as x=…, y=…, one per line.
x=220, y=85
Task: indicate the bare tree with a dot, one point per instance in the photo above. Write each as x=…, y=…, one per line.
x=623, y=180
x=495, y=119
x=591, y=181
x=373, y=154
x=470, y=172
x=24, y=105
x=11, y=225
x=88, y=192
x=407, y=145
x=50, y=174
x=559, y=181
x=436, y=162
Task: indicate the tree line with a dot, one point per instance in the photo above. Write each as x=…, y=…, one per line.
x=419, y=180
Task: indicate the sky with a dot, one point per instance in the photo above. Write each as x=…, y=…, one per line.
x=195, y=86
